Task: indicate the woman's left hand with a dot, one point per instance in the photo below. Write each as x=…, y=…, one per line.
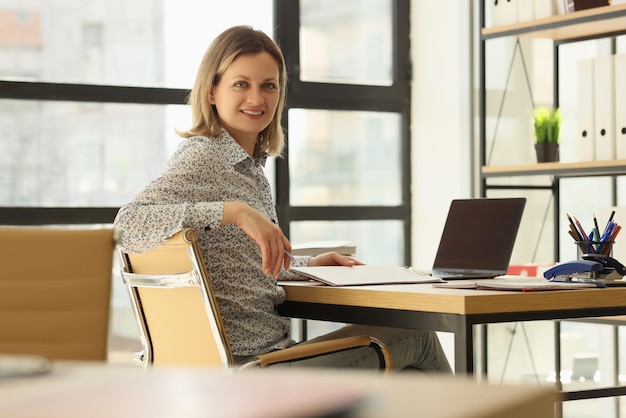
x=333, y=259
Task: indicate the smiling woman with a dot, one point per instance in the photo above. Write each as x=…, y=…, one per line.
x=214, y=183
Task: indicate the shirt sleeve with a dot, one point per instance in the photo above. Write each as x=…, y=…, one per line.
x=178, y=199
x=301, y=261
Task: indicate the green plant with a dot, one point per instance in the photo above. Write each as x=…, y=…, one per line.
x=547, y=124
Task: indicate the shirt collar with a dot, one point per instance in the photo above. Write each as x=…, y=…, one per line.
x=234, y=153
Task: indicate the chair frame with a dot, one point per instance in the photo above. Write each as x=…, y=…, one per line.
x=198, y=277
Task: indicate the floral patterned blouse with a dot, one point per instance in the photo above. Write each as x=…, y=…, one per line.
x=200, y=176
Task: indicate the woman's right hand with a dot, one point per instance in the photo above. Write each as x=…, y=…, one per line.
x=268, y=236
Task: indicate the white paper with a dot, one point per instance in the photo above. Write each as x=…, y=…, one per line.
x=363, y=275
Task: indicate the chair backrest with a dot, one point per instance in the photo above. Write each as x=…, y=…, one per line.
x=55, y=291
x=175, y=305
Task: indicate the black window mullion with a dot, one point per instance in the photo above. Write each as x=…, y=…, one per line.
x=56, y=215
x=346, y=101
x=23, y=90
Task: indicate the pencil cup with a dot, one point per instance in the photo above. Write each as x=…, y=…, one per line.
x=594, y=247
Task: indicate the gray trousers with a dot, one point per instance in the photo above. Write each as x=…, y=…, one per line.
x=410, y=349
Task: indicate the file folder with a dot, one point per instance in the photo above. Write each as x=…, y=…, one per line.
x=504, y=12
x=564, y=6
x=586, y=108
x=620, y=106
x=544, y=8
x=525, y=10
x=604, y=86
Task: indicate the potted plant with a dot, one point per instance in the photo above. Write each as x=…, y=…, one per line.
x=547, y=125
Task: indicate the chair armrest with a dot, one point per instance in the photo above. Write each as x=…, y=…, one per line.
x=303, y=351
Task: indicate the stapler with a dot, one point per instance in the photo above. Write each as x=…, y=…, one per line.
x=592, y=267
x=611, y=268
x=574, y=271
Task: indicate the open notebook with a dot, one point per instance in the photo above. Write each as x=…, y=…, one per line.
x=523, y=284
x=363, y=275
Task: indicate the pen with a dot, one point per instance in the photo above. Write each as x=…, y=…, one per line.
x=606, y=250
x=580, y=228
x=610, y=220
x=597, y=228
x=605, y=238
x=577, y=240
x=288, y=254
x=573, y=228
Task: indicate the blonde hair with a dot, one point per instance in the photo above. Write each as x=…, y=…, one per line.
x=229, y=45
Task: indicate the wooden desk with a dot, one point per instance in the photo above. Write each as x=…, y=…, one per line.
x=421, y=306
x=89, y=390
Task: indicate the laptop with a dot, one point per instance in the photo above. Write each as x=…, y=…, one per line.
x=478, y=238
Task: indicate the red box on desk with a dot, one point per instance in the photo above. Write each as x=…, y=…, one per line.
x=529, y=269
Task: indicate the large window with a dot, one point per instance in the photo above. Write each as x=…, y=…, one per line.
x=346, y=175
x=90, y=95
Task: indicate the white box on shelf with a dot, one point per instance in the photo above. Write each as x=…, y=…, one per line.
x=586, y=109
x=604, y=115
x=620, y=106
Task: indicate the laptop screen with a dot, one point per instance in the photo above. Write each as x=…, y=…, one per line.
x=479, y=235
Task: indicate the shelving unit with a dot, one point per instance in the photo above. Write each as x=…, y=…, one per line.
x=574, y=169
x=601, y=22
x=585, y=24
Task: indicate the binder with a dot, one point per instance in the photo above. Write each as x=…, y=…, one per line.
x=525, y=10
x=620, y=106
x=590, y=4
x=564, y=6
x=586, y=108
x=604, y=107
x=504, y=12
x=544, y=8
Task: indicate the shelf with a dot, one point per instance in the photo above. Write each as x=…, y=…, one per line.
x=590, y=23
x=576, y=169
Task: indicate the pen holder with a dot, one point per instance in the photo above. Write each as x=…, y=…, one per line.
x=593, y=247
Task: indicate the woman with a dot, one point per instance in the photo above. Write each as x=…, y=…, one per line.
x=214, y=182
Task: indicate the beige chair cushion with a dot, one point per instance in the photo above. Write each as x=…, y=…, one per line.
x=55, y=291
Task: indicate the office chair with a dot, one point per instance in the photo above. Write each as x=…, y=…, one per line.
x=179, y=320
x=55, y=291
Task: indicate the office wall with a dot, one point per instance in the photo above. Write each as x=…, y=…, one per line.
x=441, y=114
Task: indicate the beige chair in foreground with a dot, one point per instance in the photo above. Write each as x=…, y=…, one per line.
x=55, y=292
x=178, y=316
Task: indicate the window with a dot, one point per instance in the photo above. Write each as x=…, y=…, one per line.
x=90, y=95
x=90, y=104
x=346, y=173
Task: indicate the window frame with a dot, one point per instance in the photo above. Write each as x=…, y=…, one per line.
x=24, y=90
x=332, y=96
